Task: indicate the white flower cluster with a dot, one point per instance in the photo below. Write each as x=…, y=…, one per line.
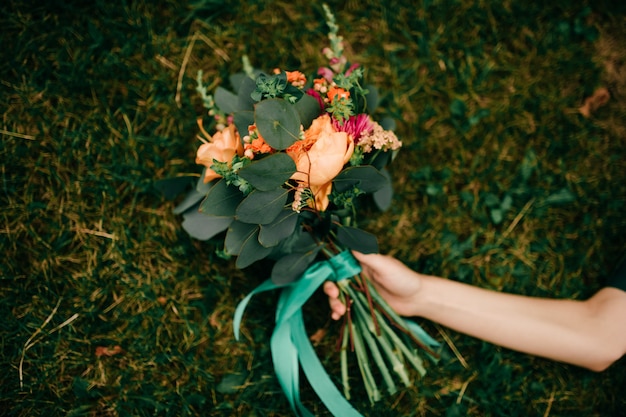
x=379, y=139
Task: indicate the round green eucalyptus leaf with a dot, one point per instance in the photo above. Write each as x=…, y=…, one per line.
x=383, y=196
x=172, y=187
x=203, y=227
x=244, y=99
x=372, y=98
x=289, y=268
x=366, y=177
x=193, y=198
x=281, y=228
x=226, y=101
x=357, y=239
x=270, y=172
x=278, y=122
x=242, y=239
x=309, y=109
x=238, y=233
x=243, y=119
x=261, y=207
x=221, y=200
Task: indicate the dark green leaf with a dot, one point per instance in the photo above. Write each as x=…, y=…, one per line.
x=434, y=189
x=291, y=267
x=270, y=172
x=231, y=383
x=172, y=187
x=529, y=164
x=357, y=239
x=365, y=177
x=244, y=100
x=236, y=79
x=458, y=108
x=384, y=195
x=262, y=207
x=278, y=122
x=492, y=200
x=243, y=119
x=562, y=196
x=298, y=241
x=82, y=390
x=308, y=109
x=203, y=227
x=222, y=200
x=226, y=101
x=282, y=227
x=388, y=123
x=507, y=203
x=381, y=159
x=467, y=197
x=190, y=200
x=481, y=113
x=251, y=250
x=372, y=98
x=497, y=215
x=204, y=187
x=236, y=236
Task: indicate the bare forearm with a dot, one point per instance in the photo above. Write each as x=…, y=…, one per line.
x=564, y=330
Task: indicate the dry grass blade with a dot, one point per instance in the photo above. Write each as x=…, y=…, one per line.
x=31, y=340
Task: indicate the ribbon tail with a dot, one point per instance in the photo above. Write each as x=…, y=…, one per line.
x=241, y=307
x=421, y=334
x=321, y=383
x=285, y=357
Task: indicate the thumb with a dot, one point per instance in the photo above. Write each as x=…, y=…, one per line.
x=368, y=259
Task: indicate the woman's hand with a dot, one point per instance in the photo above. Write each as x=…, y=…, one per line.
x=396, y=283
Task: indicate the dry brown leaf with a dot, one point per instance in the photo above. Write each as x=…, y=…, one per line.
x=106, y=351
x=317, y=337
x=598, y=99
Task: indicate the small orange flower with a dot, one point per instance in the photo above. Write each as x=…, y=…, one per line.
x=337, y=92
x=258, y=145
x=296, y=78
x=254, y=143
x=222, y=147
x=320, y=85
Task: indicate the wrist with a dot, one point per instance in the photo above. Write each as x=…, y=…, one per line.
x=420, y=299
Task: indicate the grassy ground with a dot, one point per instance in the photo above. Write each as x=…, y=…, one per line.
x=501, y=183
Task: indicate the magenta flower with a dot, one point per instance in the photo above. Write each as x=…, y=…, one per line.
x=356, y=126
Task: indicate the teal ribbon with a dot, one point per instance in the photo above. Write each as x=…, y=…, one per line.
x=290, y=344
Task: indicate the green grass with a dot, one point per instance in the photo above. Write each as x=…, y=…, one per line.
x=501, y=183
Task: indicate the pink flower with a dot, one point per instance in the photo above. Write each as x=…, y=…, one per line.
x=352, y=68
x=326, y=73
x=355, y=126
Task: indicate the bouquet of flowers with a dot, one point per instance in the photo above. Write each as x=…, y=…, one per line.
x=283, y=173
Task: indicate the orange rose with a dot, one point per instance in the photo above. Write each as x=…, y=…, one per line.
x=321, y=158
x=222, y=147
